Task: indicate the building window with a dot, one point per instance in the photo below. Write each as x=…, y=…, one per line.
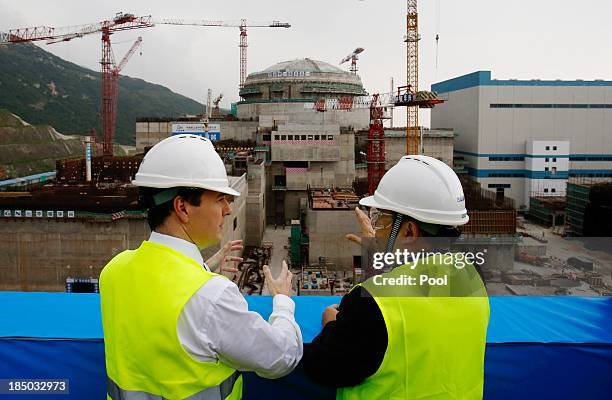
x=511, y=158
x=276, y=137
x=316, y=137
x=283, y=137
x=546, y=190
x=330, y=137
x=546, y=159
x=289, y=137
x=553, y=190
x=554, y=147
x=303, y=137
x=554, y=170
x=547, y=147
x=554, y=159
x=546, y=169
x=266, y=138
x=309, y=137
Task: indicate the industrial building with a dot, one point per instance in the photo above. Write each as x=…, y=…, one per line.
x=522, y=138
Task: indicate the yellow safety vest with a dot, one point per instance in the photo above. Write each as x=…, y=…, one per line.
x=436, y=336
x=142, y=293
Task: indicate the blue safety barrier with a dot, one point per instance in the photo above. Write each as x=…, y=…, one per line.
x=537, y=347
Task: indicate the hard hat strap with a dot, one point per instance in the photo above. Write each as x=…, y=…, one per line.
x=397, y=223
x=165, y=196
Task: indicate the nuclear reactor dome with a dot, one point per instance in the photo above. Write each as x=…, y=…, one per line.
x=300, y=80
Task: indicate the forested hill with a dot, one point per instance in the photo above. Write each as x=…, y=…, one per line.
x=45, y=89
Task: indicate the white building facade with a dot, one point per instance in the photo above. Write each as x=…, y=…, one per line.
x=524, y=138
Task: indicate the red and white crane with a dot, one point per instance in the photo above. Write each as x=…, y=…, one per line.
x=110, y=71
x=353, y=57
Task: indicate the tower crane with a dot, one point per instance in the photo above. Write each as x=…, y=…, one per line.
x=110, y=71
x=216, y=102
x=241, y=25
x=412, y=75
x=353, y=57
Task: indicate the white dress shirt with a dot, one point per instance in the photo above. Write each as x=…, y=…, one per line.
x=215, y=324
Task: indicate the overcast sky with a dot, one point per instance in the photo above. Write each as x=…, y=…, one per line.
x=522, y=39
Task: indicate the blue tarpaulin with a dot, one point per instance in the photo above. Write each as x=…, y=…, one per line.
x=537, y=347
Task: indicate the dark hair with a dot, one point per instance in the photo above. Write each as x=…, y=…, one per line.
x=443, y=231
x=157, y=214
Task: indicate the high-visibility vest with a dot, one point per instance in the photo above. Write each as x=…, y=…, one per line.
x=142, y=293
x=436, y=336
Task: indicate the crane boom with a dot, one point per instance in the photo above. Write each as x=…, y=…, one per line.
x=127, y=55
x=243, y=24
x=228, y=24
x=38, y=33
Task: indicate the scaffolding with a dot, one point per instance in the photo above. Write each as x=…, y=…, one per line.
x=547, y=210
x=589, y=207
x=489, y=214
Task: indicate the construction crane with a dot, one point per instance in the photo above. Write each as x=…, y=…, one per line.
x=353, y=57
x=241, y=25
x=121, y=22
x=216, y=110
x=412, y=75
x=110, y=71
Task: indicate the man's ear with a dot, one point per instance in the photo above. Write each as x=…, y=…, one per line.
x=410, y=231
x=179, y=206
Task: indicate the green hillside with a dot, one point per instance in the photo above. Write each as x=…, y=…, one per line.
x=46, y=90
x=31, y=149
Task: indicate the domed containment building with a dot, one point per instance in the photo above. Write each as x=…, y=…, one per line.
x=302, y=79
x=302, y=147
x=285, y=86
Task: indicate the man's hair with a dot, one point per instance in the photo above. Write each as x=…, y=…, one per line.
x=157, y=214
x=435, y=230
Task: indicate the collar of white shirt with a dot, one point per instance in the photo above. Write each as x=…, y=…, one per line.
x=182, y=246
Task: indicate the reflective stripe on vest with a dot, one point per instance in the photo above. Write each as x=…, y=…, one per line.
x=219, y=392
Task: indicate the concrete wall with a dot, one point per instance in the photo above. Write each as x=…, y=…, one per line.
x=255, y=207
x=150, y=133
x=295, y=112
x=38, y=255
x=326, y=229
x=437, y=144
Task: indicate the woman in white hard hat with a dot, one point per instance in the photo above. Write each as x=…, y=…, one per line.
x=173, y=328
x=396, y=336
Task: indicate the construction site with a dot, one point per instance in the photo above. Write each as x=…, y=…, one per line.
x=303, y=141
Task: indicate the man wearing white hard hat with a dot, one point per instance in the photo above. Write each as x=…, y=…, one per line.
x=173, y=327
x=395, y=336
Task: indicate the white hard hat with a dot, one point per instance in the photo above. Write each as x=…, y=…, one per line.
x=184, y=161
x=423, y=188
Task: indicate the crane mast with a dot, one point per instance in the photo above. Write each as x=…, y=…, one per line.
x=412, y=76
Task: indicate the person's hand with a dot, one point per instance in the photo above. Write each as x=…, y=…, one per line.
x=217, y=263
x=280, y=285
x=329, y=314
x=367, y=230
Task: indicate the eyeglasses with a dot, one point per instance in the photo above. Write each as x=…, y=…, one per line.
x=380, y=219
